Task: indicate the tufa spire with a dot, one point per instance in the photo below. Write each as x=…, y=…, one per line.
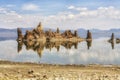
x=58, y=31
x=39, y=27
x=89, y=35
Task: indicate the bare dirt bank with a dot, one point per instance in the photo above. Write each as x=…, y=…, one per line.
x=32, y=71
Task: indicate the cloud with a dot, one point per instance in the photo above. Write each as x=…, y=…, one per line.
x=71, y=7
x=100, y=18
x=77, y=8
x=9, y=18
x=5, y=11
x=30, y=7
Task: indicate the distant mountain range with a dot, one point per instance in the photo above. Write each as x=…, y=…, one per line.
x=11, y=34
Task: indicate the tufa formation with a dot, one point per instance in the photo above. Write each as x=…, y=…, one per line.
x=89, y=36
x=38, y=34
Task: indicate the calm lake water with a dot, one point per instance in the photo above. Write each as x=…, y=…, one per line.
x=97, y=52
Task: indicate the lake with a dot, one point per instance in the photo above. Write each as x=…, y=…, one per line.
x=99, y=51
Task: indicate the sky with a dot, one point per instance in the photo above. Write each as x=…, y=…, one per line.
x=65, y=14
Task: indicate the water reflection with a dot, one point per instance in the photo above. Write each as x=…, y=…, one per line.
x=89, y=44
x=39, y=46
x=111, y=40
x=99, y=52
x=117, y=40
x=19, y=47
x=112, y=44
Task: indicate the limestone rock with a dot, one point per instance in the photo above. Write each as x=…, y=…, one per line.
x=117, y=40
x=20, y=36
x=38, y=34
x=89, y=35
x=111, y=40
x=67, y=34
x=75, y=33
x=39, y=27
x=112, y=36
x=58, y=31
x=29, y=36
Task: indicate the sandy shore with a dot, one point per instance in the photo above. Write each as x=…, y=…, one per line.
x=32, y=71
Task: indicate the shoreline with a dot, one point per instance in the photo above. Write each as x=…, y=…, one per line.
x=75, y=65
x=34, y=71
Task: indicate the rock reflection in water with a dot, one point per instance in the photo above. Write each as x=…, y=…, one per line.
x=89, y=44
x=19, y=47
x=35, y=46
x=38, y=46
x=112, y=44
x=111, y=40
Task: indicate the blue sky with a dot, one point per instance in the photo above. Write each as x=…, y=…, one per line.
x=54, y=6
x=53, y=13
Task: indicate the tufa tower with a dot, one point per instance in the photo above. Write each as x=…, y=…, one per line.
x=39, y=27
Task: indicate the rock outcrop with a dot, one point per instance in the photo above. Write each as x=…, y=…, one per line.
x=89, y=35
x=111, y=40
x=29, y=36
x=117, y=40
x=75, y=33
x=67, y=34
x=38, y=34
x=57, y=31
x=20, y=36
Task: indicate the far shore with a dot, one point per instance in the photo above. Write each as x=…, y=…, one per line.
x=34, y=71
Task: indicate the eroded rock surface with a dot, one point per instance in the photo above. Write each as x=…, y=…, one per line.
x=38, y=34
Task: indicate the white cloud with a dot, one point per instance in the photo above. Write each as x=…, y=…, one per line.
x=5, y=11
x=9, y=18
x=104, y=18
x=71, y=16
x=100, y=18
x=81, y=9
x=30, y=7
x=71, y=7
x=77, y=8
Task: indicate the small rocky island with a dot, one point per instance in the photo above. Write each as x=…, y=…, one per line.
x=38, y=34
